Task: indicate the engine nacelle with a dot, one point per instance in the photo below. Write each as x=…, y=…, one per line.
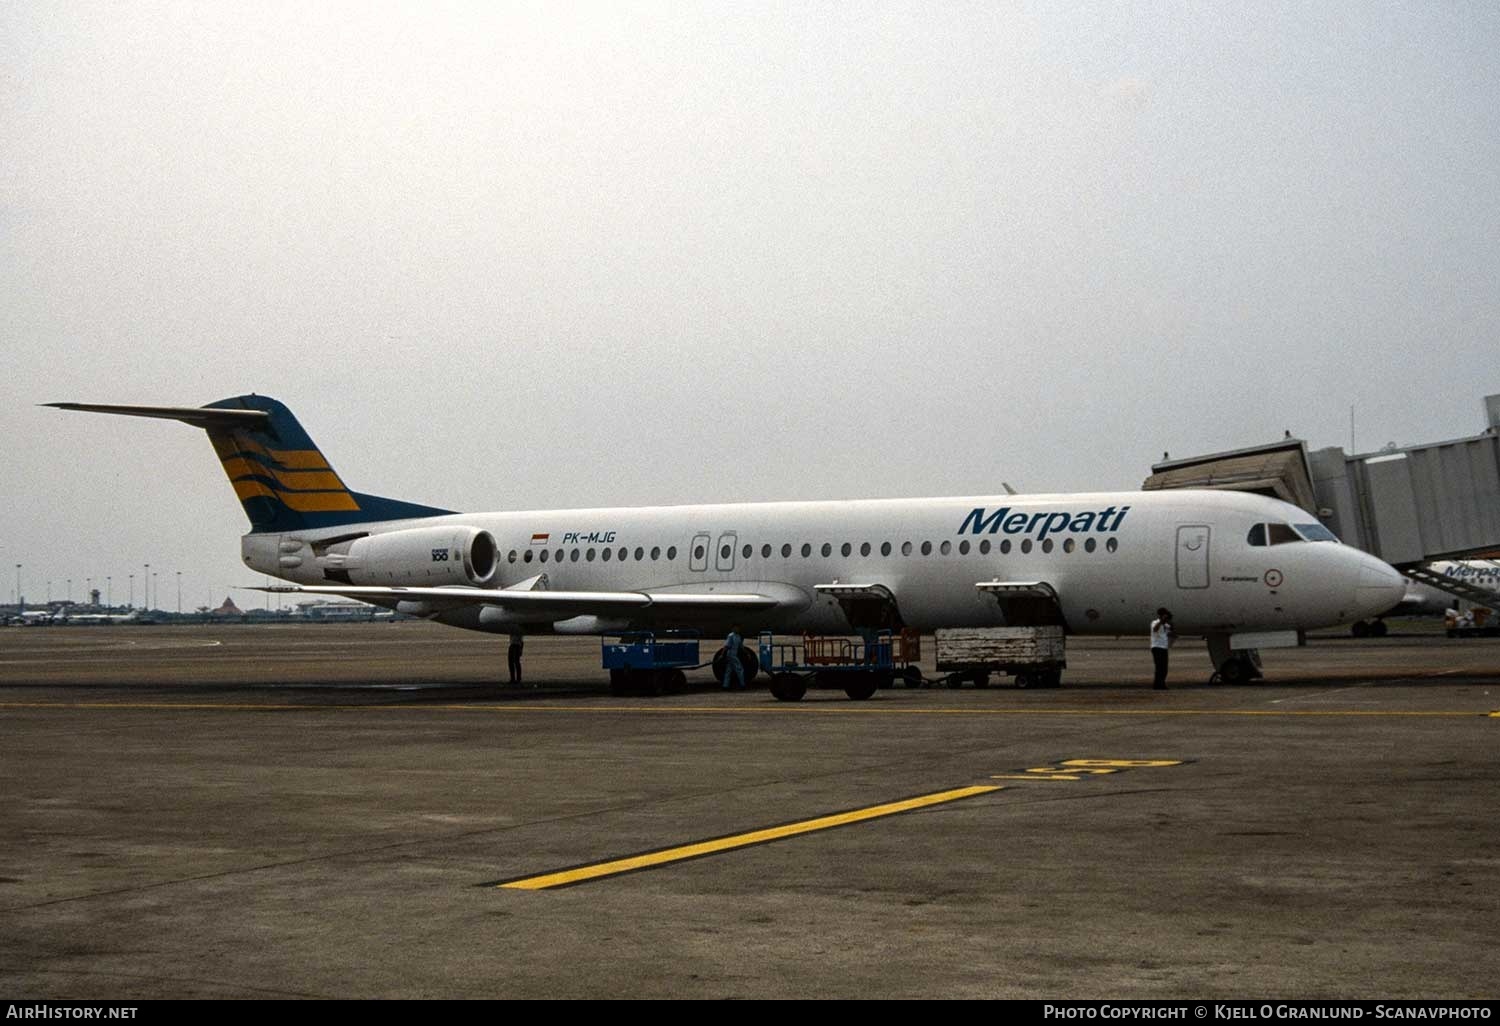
x=422, y=557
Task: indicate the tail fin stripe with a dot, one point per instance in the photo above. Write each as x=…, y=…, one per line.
x=302, y=502
x=250, y=489
x=237, y=467
x=237, y=444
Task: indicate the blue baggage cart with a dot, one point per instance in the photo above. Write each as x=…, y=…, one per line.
x=649, y=661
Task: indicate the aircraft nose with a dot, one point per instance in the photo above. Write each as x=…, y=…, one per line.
x=1381, y=587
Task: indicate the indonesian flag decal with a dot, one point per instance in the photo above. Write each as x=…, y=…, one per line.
x=539, y=539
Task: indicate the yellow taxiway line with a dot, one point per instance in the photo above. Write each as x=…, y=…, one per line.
x=614, y=867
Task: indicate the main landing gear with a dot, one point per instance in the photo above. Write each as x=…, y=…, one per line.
x=748, y=659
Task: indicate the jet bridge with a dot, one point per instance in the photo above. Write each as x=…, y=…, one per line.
x=1410, y=505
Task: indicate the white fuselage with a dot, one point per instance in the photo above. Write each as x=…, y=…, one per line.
x=1112, y=559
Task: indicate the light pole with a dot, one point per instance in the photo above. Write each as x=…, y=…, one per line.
x=132, y=592
x=109, y=591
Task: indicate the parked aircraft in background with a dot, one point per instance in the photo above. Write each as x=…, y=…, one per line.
x=1423, y=599
x=1241, y=570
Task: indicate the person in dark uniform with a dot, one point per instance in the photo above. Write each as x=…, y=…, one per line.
x=513, y=656
x=1161, y=640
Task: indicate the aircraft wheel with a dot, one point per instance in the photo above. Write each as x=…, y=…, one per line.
x=1378, y=629
x=788, y=687
x=861, y=686
x=751, y=662
x=1360, y=629
x=1235, y=671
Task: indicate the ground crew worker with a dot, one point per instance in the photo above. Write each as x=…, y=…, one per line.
x=734, y=670
x=513, y=656
x=1161, y=640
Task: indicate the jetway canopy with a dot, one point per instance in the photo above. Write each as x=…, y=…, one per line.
x=1409, y=506
x=1280, y=470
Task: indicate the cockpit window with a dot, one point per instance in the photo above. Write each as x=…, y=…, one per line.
x=1316, y=532
x=1281, y=534
x=1257, y=535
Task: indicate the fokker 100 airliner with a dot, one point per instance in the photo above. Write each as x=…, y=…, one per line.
x=1241, y=570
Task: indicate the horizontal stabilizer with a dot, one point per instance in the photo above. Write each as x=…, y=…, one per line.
x=197, y=416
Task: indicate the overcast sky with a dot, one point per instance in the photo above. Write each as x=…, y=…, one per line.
x=529, y=256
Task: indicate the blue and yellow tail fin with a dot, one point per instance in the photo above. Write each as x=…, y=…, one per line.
x=282, y=479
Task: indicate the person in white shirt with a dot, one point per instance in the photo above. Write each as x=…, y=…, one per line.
x=1161, y=640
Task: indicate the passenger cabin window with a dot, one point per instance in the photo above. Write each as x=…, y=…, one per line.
x=1316, y=532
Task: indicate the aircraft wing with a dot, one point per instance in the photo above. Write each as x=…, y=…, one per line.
x=545, y=604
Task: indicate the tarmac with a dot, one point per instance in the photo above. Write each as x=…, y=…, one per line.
x=360, y=811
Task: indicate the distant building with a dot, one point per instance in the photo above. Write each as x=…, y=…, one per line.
x=227, y=609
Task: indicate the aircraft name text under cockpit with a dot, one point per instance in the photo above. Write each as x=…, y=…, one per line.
x=1043, y=522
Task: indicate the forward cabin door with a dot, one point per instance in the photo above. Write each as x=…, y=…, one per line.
x=1192, y=555
x=724, y=551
